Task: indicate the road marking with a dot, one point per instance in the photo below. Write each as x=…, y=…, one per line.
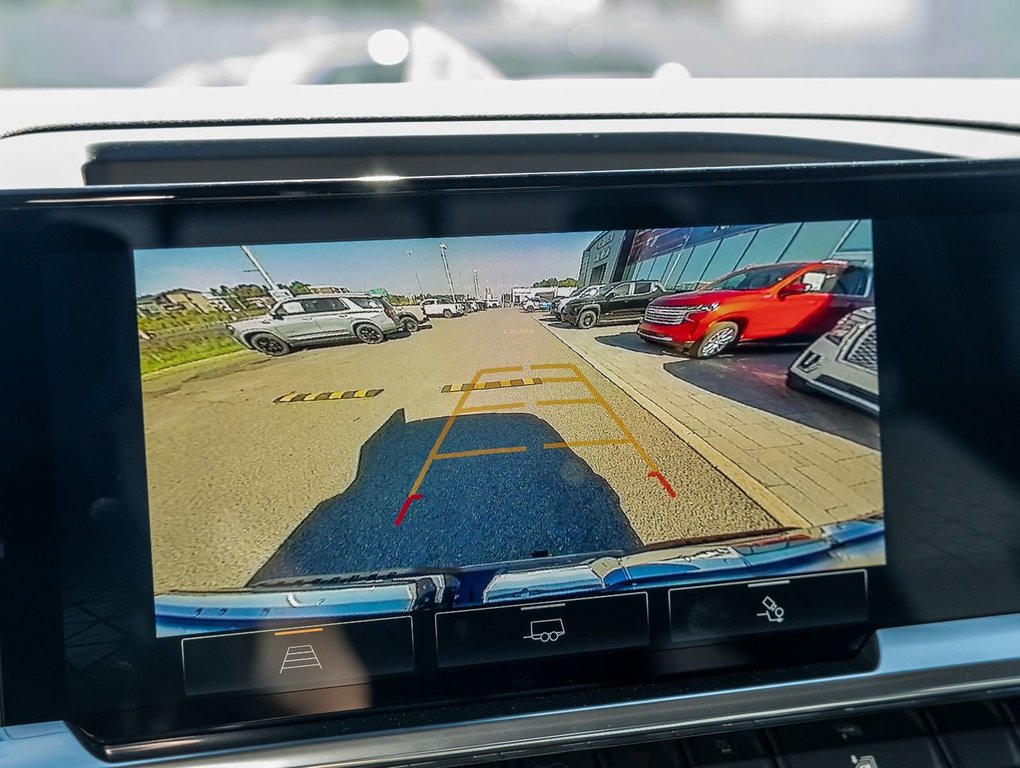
x=483, y=385
x=582, y=443
x=297, y=632
x=313, y=397
x=493, y=407
x=576, y=401
x=480, y=452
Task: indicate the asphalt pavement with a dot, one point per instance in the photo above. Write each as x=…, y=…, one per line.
x=550, y=458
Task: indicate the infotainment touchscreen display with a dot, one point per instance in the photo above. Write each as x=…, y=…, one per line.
x=354, y=430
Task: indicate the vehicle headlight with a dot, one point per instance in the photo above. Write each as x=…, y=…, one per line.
x=701, y=308
x=685, y=313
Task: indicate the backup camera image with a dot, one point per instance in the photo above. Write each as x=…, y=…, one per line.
x=359, y=429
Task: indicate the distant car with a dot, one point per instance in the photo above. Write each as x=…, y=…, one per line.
x=798, y=301
x=536, y=304
x=580, y=293
x=493, y=303
x=612, y=302
x=842, y=363
x=310, y=320
x=440, y=307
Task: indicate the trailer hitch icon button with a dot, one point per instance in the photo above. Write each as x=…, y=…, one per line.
x=546, y=630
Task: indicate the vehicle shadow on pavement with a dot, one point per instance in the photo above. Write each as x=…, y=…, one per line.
x=473, y=509
x=757, y=377
x=631, y=341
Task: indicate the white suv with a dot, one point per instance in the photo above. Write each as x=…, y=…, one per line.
x=842, y=363
x=315, y=319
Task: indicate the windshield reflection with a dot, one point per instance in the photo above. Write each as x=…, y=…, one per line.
x=275, y=42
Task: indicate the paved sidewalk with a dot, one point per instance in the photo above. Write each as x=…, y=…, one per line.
x=800, y=475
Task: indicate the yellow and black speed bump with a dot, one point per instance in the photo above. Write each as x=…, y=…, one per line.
x=490, y=385
x=315, y=397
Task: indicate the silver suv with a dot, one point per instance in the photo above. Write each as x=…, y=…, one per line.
x=316, y=319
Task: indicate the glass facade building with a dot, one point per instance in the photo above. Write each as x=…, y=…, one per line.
x=683, y=259
x=603, y=261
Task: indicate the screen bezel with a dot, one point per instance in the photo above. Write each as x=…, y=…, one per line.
x=50, y=231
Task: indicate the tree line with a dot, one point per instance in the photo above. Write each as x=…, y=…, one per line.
x=556, y=282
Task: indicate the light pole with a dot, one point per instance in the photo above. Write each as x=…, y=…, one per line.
x=421, y=293
x=446, y=268
x=275, y=291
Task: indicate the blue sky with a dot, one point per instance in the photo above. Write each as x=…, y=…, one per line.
x=502, y=261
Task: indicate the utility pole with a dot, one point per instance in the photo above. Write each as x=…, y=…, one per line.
x=275, y=291
x=421, y=293
x=476, y=283
x=446, y=268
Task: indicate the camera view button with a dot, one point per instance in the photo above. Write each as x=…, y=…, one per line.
x=300, y=658
x=717, y=611
x=483, y=635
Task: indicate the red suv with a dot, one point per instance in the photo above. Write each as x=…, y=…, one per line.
x=797, y=301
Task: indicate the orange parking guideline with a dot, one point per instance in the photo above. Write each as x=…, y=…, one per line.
x=449, y=423
x=584, y=443
x=493, y=407
x=297, y=631
x=598, y=398
x=461, y=408
x=481, y=452
x=558, y=379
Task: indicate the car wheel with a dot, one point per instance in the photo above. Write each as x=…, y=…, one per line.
x=529, y=308
x=717, y=338
x=410, y=324
x=587, y=319
x=447, y=313
x=369, y=333
x=268, y=344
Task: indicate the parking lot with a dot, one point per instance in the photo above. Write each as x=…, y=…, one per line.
x=495, y=436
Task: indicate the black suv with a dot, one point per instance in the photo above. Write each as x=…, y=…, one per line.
x=613, y=302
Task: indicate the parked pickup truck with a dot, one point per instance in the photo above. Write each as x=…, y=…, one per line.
x=412, y=318
x=438, y=307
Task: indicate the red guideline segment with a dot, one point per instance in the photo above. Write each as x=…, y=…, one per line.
x=403, y=508
x=665, y=483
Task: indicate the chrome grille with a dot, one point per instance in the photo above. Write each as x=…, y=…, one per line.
x=665, y=315
x=864, y=352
